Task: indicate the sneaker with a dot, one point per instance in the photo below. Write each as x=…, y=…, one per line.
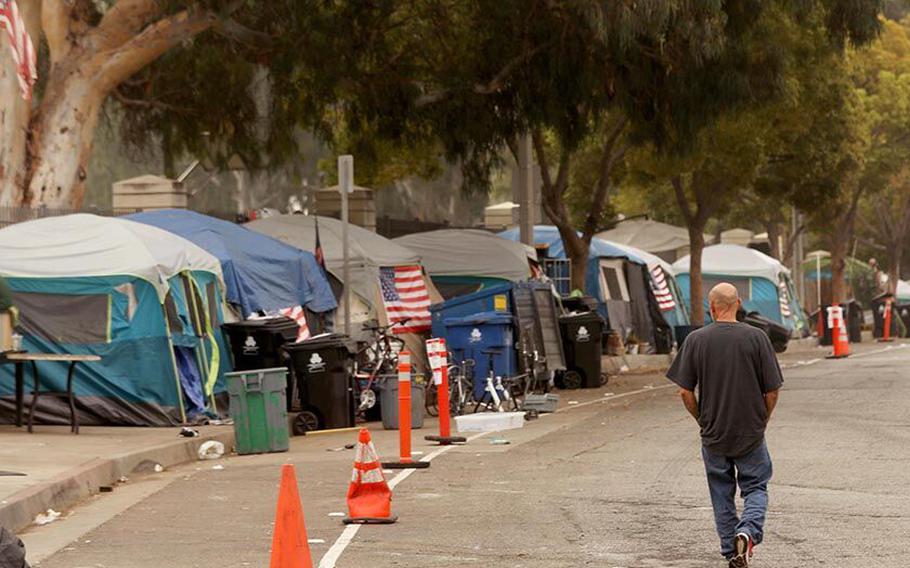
x=743, y=551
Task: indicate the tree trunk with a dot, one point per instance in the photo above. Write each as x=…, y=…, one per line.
x=775, y=233
x=839, y=245
x=696, y=288
x=62, y=134
x=577, y=252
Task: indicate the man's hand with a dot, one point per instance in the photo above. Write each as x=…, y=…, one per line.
x=770, y=403
x=690, y=402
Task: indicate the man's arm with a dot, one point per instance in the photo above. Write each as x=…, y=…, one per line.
x=771, y=402
x=690, y=402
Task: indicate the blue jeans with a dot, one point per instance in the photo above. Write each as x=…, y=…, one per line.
x=752, y=473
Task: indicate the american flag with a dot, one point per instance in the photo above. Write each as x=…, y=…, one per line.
x=784, y=299
x=404, y=294
x=299, y=316
x=661, y=289
x=21, y=45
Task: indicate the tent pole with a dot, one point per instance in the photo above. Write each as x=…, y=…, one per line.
x=170, y=345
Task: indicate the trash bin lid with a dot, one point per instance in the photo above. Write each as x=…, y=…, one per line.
x=480, y=318
x=581, y=317
x=323, y=341
x=278, y=324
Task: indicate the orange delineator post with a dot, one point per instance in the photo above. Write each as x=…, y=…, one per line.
x=438, y=355
x=290, y=547
x=886, y=331
x=404, y=417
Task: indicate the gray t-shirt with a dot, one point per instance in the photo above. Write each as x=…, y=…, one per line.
x=733, y=365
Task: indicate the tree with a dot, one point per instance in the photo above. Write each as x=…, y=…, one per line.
x=578, y=77
x=882, y=77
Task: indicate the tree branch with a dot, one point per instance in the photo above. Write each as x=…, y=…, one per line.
x=55, y=20
x=142, y=103
x=608, y=160
x=151, y=43
x=123, y=21
x=683, y=203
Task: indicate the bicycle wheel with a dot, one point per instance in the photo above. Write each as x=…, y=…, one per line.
x=431, y=402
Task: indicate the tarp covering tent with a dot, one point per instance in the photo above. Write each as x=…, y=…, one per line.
x=663, y=283
x=666, y=241
x=463, y=261
x=145, y=300
x=763, y=283
x=373, y=259
x=620, y=281
x=260, y=273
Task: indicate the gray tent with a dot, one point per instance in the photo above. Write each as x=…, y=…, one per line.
x=369, y=253
x=669, y=242
x=462, y=261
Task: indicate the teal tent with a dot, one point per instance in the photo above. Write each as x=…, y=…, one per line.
x=148, y=302
x=763, y=283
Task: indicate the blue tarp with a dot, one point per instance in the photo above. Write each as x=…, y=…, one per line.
x=549, y=235
x=260, y=273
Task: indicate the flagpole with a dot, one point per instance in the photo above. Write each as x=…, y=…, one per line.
x=345, y=186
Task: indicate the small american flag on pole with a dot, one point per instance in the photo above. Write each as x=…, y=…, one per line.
x=299, y=316
x=404, y=295
x=20, y=43
x=661, y=289
x=784, y=294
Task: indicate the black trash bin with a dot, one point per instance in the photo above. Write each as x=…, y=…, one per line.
x=581, y=337
x=778, y=334
x=256, y=344
x=853, y=314
x=322, y=370
x=878, y=316
x=579, y=304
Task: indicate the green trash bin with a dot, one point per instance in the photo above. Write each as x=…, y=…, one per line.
x=259, y=410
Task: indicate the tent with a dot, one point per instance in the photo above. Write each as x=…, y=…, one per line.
x=463, y=261
x=147, y=301
x=260, y=273
x=666, y=241
x=381, y=272
x=620, y=281
x=663, y=283
x=763, y=283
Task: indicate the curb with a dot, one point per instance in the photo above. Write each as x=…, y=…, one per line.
x=62, y=492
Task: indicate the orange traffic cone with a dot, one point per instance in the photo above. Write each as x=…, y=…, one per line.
x=290, y=547
x=369, y=496
x=839, y=338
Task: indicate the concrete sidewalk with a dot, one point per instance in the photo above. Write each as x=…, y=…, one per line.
x=61, y=469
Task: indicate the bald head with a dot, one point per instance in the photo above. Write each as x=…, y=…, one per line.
x=724, y=302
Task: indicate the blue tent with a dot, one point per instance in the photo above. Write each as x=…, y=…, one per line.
x=619, y=280
x=260, y=273
x=146, y=301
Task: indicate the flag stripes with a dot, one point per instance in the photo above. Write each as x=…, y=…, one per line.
x=661, y=289
x=405, y=295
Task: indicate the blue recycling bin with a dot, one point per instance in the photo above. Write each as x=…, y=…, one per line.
x=493, y=299
x=468, y=337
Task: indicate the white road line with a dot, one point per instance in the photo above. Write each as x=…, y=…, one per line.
x=614, y=397
x=347, y=535
x=882, y=350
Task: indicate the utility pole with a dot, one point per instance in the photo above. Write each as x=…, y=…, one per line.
x=346, y=187
x=528, y=205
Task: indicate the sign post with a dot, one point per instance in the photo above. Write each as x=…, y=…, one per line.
x=346, y=187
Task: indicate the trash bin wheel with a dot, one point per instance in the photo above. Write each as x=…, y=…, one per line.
x=779, y=346
x=604, y=379
x=367, y=399
x=306, y=421
x=571, y=380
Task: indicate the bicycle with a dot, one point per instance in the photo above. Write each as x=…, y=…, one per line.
x=461, y=386
x=377, y=360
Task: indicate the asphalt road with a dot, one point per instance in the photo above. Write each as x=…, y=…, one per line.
x=617, y=484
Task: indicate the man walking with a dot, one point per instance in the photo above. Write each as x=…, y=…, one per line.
x=734, y=368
